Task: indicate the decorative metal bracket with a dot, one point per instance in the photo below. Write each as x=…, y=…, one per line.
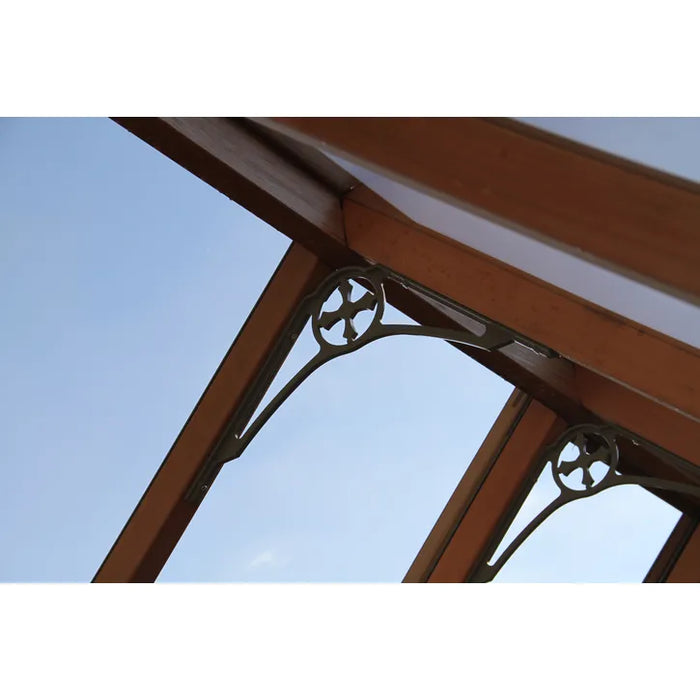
x=593, y=470
x=371, y=305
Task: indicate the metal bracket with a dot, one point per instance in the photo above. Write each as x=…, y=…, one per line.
x=597, y=447
x=370, y=305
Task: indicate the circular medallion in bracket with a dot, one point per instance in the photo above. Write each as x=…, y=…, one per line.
x=372, y=300
x=597, y=459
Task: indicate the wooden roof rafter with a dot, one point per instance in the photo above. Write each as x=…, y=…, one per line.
x=635, y=220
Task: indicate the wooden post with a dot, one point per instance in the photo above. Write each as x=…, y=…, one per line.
x=509, y=467
x=467, y=488
x=687, y=566
x=672, y=550
x=161, y=516
x=679, y=558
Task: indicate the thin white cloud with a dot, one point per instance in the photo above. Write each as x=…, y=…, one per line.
x=266, y=558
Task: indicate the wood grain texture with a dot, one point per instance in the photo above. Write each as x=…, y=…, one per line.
x=616, y=404
x=621, y=215
x=162, y=515
x=647, y=362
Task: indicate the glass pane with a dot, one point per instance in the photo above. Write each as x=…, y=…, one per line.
x=123, y=280
x=346, y=480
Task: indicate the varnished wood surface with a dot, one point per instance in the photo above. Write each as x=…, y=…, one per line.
x=616, y=404
x=633, y=219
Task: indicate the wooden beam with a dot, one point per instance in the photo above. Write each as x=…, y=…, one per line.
x=162, y=515
x=310, y=159
x=633, y=219
x=483, y=520
x=468, y=487
x=615, y=404
x=654, y=365
x=549, y=380
x=230, y=157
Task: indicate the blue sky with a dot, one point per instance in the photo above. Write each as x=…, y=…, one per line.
x=123, y=280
